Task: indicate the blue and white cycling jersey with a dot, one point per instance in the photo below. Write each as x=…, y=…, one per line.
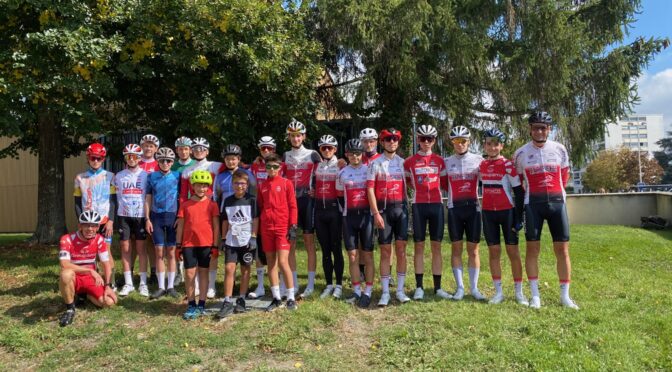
x=164, y=189
x=223, y=186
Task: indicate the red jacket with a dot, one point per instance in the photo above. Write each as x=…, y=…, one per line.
x=277, y=203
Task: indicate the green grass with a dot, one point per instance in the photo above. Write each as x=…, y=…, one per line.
x=621, y=279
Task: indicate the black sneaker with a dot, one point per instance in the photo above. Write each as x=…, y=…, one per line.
x=172, y=293
x=226, y=310
x=159, y=293
x=353, y=299
x=80, y=300
x=291, y=305
x=153, y=280
x=240, y=306
x=67, y=317
x=274, y=305
x=364, y=301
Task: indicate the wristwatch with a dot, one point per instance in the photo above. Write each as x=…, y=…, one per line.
x=109, y=285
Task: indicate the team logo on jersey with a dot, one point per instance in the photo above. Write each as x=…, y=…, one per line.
x=465, y=187
x=419, y=180
x=239, y=217
x=359, y=196
x=491, y=168
x=548, y=181
x=277, y=188
x=325, y=187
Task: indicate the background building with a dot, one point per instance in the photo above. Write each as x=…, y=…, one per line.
x=636, y=132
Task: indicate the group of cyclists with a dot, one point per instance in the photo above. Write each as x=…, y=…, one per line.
x=185, y=202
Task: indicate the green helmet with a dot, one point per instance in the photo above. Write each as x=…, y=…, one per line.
x=201, y=176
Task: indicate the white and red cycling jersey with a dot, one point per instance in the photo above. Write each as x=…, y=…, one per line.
x=83, y=252
x=386, y=177
x=426, y=173
x=368, y=158
x=131, y=186
x=258, y=169
x=300, y=165
x=149, y=165
x=462, y=172
x=214, y=167
x=499, y=177
x=351, y=185
x=325, y=181
x=545, y=171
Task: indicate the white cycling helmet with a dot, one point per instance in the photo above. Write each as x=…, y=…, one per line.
x=165, y=153
x=132, y=149
x=183, y=142
x=427, y=130
x=266, y=141
x=460, y=131
x=327, y=140
x=90, y=217
x=368, y=134
x=296, y=126
x=200, y=141
x=151, y=139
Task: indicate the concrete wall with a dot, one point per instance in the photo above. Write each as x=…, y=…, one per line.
x=618, y=209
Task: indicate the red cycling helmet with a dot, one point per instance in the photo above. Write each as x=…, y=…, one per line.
x=391, y=132
x=96, y=149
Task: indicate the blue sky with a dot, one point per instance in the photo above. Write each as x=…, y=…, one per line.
x=655, y=85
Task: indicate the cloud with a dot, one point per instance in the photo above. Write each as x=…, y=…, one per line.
x=655, y=92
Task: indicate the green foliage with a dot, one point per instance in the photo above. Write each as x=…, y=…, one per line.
x=617, y=170
x=664, y=157
x=485, y=63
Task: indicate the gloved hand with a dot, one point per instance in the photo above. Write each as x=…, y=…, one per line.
x=292, y=232
x=253, y=242
x=517, y=226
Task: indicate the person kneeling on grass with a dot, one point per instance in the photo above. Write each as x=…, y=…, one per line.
x=77, y=254
x=197, y=232
x=240, y=222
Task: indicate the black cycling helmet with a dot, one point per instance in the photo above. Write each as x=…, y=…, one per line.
x=354, y=145
x=540, y=117
x=232, y=150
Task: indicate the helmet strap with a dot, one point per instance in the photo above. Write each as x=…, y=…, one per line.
x=463, y=153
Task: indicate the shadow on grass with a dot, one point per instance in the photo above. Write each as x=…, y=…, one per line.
x=40, y=309
x=162, y=306
x=41, y=283
x=25, y=255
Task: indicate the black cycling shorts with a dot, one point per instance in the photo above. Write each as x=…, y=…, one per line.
x=306, y=209
x=554, y=213
x=494, y=221
x=358, y=230
x=134, y=226
x=242, y=255
x=396, y=223
x=464, y=219
x=428, y=213
x=196, y=256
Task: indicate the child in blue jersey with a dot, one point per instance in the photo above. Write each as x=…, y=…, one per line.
x=160, y=214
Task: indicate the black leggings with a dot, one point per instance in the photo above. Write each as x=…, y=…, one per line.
x=329, y=234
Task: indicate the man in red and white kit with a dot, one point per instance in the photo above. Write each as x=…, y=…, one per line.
x=426, y=174
x=543, y=166
x=150, y=145
x=300, y=164
x=78, y=252
x=200, y=148
x=464, y=214
x=369, y=139
x=386, y=188
x=500, y=183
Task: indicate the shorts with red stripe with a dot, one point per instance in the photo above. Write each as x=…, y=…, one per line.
x=274, y=240
x=86, y=284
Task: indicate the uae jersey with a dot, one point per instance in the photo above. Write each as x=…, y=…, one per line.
x=426, y=174
x=462, y=171
x=325, y=183
x=95, y=188
x=545, y=171
x=498, y=177
x=300, y=165
x=131, y=186
x=386, y=177
x=83, y=252
x=149, y=165
x=164, y=189
x=240, y=213
x=351, y=185
x=214, y=167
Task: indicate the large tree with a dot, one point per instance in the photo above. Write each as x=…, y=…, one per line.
x=664, y=157
x=617, y=170
x=484, y=63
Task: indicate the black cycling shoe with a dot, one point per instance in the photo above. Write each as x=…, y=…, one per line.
x=291, y=305
x=240, y=306
x=226, y=310
x=364, y=301
x=67, y=317
x=158, y=294
x=353, y=299
x=80, y=300
x=274, y=305
x=172, y=293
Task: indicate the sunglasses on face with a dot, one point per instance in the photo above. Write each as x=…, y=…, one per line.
x=95, y=158
x=131, y=157
x=425, y=139
x=165, y=161
x=273, y=166
x=199, y=148
x=356, y=153
x=267, y=148
x=391, y=139
x=327, y=148
x=459, y=141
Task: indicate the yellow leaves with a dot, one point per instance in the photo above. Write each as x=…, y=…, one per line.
x=298, y=365
x=103, y=7
x=185, y=30
x=202, y=61
x=141, y=48
x=17, y=74
x=223, y=24
x=39, y=98
x=82, y=71
x=97, y=64
x=46, y=17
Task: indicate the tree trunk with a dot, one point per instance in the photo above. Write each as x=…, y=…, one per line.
x=50, y=187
